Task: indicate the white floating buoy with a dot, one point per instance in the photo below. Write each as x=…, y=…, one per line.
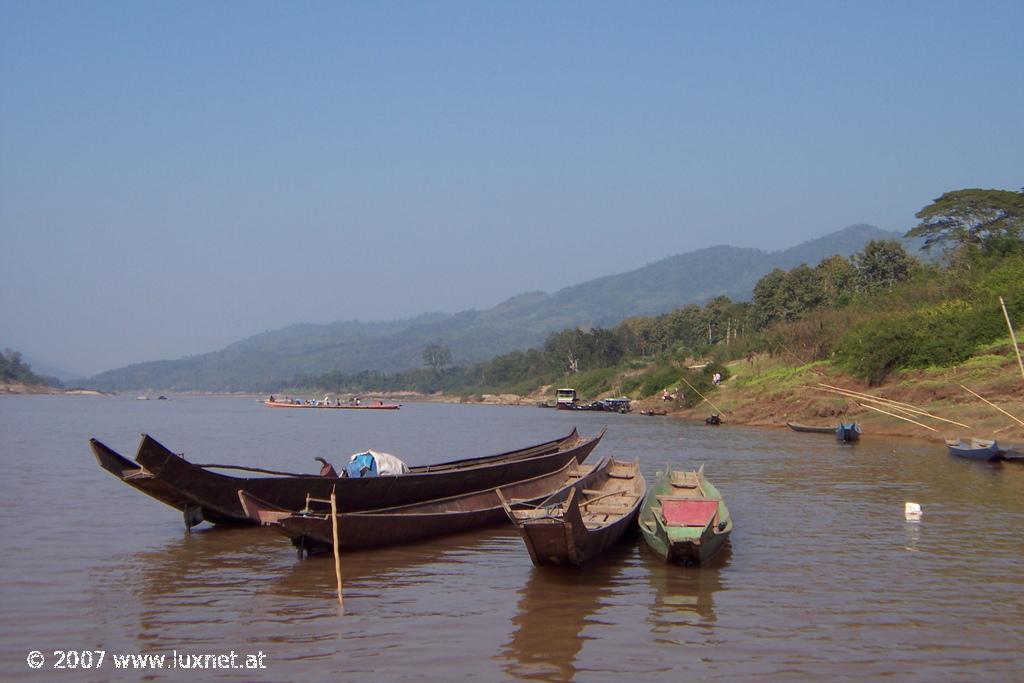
x=912, y=511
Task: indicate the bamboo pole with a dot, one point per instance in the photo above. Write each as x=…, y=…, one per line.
x=701, y=395
x=894, y=405
x=992, y=404
x=877, y=398
x=897, y=416
x=889, y=403
x=1013, y=337
x=337, y=554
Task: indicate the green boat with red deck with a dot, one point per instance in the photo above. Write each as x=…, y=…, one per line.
x=684, y=519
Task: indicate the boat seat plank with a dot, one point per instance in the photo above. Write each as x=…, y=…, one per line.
x=610, y=509
x=685, y=480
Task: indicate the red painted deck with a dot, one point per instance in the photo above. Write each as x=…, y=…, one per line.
x=688, y=512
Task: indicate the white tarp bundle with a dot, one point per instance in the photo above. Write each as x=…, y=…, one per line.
x=386, y=464
x=389, y=464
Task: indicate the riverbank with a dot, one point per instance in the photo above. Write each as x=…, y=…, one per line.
x=768, y=392
x=20, y=388
x=764, y=393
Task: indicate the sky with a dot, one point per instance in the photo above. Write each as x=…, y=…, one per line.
x=175, y=176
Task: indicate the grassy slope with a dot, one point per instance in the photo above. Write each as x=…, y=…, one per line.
x=770, y=392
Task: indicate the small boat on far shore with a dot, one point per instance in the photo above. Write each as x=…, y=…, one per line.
x=355, y=404
x=848, y=431
x=977, y=449
x=797, y=427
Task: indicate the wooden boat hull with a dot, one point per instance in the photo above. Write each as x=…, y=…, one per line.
x=691, y=541
x=566, y=530
x=418, y=521
x=797, y=427
x=142, y=480
x=216, y=494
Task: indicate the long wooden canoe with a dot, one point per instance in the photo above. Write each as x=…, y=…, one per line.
x=312, y=531
x=684, y=519
x=216, y=494
x=576, y=525
x=141, y=479
x=797, y=427
x=376, y=405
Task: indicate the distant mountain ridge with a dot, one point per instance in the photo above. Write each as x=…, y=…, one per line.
x=266, y=361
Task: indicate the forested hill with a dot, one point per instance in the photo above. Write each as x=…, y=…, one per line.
x=265, y=361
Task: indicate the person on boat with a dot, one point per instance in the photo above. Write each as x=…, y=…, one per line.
x=272, y=399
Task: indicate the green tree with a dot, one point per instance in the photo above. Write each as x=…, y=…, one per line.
x=437, y=356
x=14, y=369
x=983, y=218
x=782, y=296
x=567, y=347
x=838, y=278
x=883, y=263
x=768, y=298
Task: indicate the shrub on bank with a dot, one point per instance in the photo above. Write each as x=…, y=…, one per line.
x=941, y=335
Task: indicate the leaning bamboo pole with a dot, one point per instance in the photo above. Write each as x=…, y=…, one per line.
x=877, y=398
x=701, y=395
x=992, y=404
x=889, y=403
x=337, y=554
x=898, y=417
x=1013, y=337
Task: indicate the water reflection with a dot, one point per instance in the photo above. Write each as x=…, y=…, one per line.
x=367, y=571
x=554, y=608
x=684, y=596
x=197, y=572
x=912, y=532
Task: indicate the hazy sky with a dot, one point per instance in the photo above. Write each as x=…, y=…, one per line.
x=176, y=176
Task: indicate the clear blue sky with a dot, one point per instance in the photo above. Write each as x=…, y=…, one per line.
x=176, y=176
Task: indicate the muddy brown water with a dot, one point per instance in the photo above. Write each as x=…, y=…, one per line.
x=824, y=579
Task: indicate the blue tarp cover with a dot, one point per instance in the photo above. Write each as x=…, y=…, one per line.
x=362, y=465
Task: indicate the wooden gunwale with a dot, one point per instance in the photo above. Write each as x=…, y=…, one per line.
x=217, y=494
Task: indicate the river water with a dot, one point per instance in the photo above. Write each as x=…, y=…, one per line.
x=823, y=580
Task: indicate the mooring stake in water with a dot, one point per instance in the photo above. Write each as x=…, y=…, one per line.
x=337, y=554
